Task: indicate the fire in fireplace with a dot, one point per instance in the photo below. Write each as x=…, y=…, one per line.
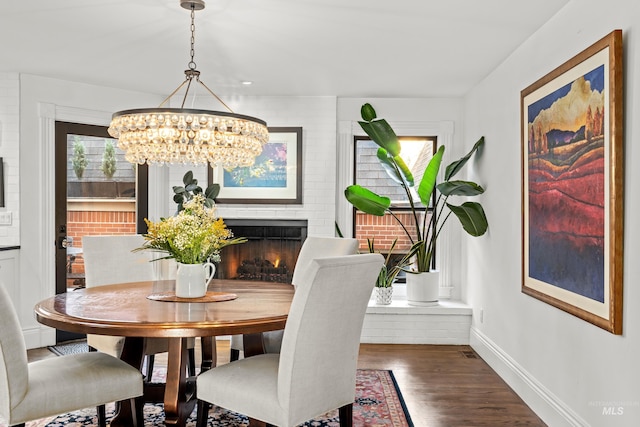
x=270, y=253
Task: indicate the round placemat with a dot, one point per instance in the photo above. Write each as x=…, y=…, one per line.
x=210, y=296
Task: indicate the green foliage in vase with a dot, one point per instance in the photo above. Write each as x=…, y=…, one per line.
x=389, y=270
x=194, y=236
x=425, y=233
x=108, y=165
x=79, y=159
x=191, y=188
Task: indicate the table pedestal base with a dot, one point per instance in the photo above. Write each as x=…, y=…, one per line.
x=179, y=392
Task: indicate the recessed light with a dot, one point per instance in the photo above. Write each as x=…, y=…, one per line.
x=247, y=83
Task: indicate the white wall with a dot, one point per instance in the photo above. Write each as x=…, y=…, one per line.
x=9, y=134
x=567, y=370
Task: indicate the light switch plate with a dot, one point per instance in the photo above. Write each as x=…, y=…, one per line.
x=5, y=218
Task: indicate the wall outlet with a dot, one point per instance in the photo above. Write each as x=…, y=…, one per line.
x=482, y=315
x=5, y=218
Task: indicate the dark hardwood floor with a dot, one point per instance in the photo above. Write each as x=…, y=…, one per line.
x=442, y=385
x=449, y=386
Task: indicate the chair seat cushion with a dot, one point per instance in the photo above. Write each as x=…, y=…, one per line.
x=254, y=391
x=63, y=384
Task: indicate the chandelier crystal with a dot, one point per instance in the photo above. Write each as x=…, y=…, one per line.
x=179, y=135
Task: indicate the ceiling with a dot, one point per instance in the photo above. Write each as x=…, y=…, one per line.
x=346, y=48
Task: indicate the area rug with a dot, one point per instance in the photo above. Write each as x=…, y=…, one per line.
x=378, y=403
x=73, y=347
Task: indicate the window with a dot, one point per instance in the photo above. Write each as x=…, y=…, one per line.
x=369, y=173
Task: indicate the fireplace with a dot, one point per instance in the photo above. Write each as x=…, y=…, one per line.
x=270, y=253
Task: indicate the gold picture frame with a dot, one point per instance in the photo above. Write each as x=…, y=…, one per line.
x=572, y=185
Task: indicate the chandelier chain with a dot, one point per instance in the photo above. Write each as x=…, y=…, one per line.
x=192, y=64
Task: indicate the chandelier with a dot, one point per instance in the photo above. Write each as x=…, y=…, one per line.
x=181, y=135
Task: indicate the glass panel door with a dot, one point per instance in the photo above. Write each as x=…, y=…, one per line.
x=97, y=193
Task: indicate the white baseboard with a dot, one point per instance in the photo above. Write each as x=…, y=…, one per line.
x=543, y=402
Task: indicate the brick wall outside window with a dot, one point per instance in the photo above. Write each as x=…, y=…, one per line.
x=384, y=229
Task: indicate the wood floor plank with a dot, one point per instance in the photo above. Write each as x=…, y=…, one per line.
x=449, y=386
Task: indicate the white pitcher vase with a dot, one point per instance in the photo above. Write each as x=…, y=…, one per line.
x=192, y=279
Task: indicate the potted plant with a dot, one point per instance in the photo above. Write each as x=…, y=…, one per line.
x=388, y=273
x=424, y=232
x=79, y=160
x=194, y=238
x=108, y=165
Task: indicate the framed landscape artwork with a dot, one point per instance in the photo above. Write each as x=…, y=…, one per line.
x=572, y=185
x=274, y=178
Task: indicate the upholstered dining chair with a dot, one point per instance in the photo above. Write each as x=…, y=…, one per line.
x=313, y=247
x=315, y=371
x=109, y=260
x=56, y=385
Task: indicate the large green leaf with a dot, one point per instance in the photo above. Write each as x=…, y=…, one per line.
x=460, y=188
x=187, y=178
x=387, y=164
x=212, y=191
x=455, y=167
x=367, y=112
x=429, y=178
x=382, y=134
x=472, y=217
x=366, y=200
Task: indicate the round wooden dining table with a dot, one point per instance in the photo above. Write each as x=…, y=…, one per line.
x=142, y=310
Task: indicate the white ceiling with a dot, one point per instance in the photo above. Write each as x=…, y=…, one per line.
x=347, y=48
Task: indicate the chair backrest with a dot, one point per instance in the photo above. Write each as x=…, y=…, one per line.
x=317, y=370
x=108, y=260
x=321, y=247
x=14, y=370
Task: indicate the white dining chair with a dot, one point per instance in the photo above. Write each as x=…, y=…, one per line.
x=109, y=260
x=315, y=371
x=313, y=247
x=57, y=385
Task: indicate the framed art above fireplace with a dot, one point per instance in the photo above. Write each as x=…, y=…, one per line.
x=274, y=178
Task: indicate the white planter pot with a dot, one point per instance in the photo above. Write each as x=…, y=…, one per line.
x=423, y=289
x=192, y=279
x=384, y=295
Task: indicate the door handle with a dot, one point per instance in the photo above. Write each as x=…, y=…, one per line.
x=62, y=242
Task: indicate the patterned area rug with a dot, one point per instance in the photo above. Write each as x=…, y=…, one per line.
x=73, y=347
x=378, y=403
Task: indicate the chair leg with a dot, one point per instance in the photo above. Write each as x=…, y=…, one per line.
x=235, y=355
x=102, y=416
x=202, y=413
x=191, y=367
x=137, y=410
x=151, y=358
x=346, y=415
